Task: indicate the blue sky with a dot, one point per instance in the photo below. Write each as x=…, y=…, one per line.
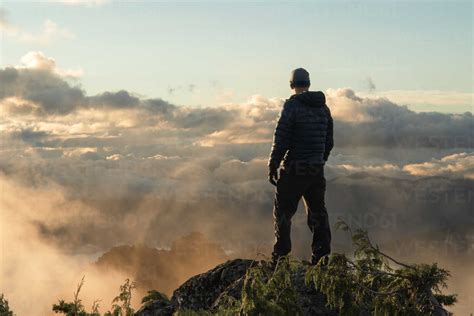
x=206, y=53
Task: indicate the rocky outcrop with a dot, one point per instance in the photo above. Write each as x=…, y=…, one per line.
x=202, y=291
x=159, y=306
x=206, y=291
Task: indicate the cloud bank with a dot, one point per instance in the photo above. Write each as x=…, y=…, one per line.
x=115, y=168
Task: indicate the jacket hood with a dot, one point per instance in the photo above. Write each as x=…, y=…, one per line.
x=310, y=98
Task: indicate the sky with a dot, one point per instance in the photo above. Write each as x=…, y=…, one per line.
x=202, y=53
x=125, y=123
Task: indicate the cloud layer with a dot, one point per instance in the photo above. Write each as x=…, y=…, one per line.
x=115, y=168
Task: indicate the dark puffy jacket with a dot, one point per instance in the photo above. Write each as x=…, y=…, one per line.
x=304, y=132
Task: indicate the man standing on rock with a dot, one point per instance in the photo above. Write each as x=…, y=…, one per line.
x=303, y=140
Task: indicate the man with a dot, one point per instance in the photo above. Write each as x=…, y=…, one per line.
x=303, y=140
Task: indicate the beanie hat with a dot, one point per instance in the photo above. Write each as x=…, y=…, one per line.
x=299, y=78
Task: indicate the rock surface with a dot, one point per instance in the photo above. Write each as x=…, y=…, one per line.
x=156, y=307
x=204, y=291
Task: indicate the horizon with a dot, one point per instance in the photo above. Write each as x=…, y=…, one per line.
x=206, y=54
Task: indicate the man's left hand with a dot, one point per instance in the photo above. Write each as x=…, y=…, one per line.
x=273, y=174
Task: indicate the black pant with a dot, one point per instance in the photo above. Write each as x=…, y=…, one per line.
x=298, y=181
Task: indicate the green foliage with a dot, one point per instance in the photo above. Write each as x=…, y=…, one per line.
x=4, y=308
x=75, y=308
x=219, y=312
x=189, y=312
x=120, y=305
x=370, y=285
x=268, y=291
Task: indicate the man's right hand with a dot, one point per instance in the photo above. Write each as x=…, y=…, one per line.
x=273, y=174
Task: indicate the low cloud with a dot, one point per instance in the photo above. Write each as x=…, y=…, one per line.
x=37, y=60
x=428, y=100
x=38, y=87
x=38, y=92
x=462, y=163
x=380, y=122
x=88, y=172
x=120, y=99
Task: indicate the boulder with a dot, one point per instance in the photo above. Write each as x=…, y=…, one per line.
x=207, y=290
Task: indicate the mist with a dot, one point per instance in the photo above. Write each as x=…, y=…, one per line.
x=81, y=174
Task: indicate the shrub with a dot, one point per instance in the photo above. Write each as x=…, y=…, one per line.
x=374, y=283
x=121, y=305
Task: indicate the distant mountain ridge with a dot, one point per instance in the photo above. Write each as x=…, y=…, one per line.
x=164, y=270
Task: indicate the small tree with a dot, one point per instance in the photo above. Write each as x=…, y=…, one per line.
x=76, y=308
x=121, y=304
x=268, y=291
x=371, y=285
